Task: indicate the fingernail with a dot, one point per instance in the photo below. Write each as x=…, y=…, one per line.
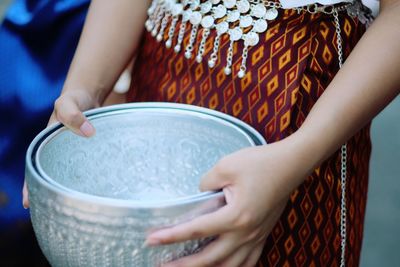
x=152, y=242
x=87, y=129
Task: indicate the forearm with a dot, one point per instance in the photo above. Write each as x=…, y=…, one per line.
x=368, y=81
x=109, y=39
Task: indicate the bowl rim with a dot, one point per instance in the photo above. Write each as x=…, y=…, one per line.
x=45, y=135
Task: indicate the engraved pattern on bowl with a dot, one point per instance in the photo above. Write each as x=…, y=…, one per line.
x=93, y=200
x=140, y=155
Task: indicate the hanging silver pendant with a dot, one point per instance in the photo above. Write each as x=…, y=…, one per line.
x=232, y=17
x=242, y=20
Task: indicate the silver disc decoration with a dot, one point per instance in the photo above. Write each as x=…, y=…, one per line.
x=241, y=20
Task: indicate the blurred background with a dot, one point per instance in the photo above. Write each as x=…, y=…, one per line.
x=381, y=240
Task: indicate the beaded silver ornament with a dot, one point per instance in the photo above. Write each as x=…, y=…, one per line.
x=241, y=20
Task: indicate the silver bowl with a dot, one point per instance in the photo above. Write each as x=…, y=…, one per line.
x=94, y=200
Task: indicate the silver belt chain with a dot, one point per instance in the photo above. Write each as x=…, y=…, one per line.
x=343, y=158
x=241, y=20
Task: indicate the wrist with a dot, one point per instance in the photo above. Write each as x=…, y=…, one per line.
x=83, y=97
x=292, y=161
x=94, y=91
x=305, y=152
x=312, y=146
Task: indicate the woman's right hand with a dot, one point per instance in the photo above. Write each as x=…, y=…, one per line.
x=68, y=109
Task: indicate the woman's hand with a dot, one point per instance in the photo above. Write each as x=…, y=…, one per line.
x=68, y=110
x=257, y=183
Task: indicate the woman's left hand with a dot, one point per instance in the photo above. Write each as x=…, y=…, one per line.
x=256, y=182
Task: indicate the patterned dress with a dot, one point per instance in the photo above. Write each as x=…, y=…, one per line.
x=287, y=71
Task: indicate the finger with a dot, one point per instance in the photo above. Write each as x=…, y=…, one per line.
x=68, y=113
x=208, y=225
x=214, y=179
x=25, y=198
x=254, y=256
x=211, y=256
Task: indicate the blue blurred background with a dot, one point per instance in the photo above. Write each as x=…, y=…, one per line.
x=383, y=209
x=37, y=42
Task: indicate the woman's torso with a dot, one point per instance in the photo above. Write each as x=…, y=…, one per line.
x=287, y=71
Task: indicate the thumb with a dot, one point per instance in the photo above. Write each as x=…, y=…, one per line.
x=214, y=179
x=66, y=111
